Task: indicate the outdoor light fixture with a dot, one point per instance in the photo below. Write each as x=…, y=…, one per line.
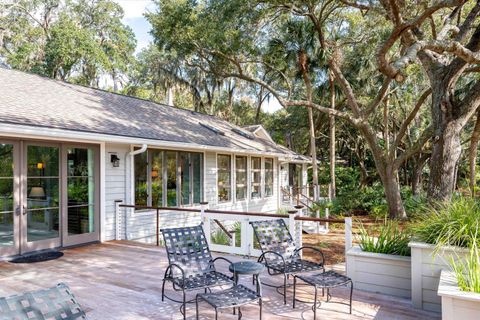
x=40, y=165
x=115, y=160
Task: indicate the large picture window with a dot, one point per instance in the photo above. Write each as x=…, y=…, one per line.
x=268, y=177
x=168, y=178
x=241, y=178
x=224, y=178
x=256, y=171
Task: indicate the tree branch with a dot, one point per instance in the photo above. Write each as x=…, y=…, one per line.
x=417, y=147
x=409, y=119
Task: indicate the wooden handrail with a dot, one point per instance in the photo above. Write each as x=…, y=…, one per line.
x=221, y=226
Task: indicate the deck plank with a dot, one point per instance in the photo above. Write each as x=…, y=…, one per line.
x=121, y=280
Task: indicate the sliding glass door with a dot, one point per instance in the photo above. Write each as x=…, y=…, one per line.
x=41, y=197
x=9, y=199
x=48, y=195
x=80, y=195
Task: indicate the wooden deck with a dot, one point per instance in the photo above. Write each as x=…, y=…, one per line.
x=122, y=280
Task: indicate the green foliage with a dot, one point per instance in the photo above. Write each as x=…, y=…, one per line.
x=468, y=272
x=75, y=40
x=455, y=223
x=388, y=239
x=220, y=237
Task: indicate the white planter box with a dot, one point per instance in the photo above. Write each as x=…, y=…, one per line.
x=426, y=270
x=378, y=272
x=457, y=304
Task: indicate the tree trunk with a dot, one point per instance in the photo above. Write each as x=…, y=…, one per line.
x=446, y=149
x=472, y=154
x=333, y=185
x=313, y=152
x=417, y=179
x=392, y=194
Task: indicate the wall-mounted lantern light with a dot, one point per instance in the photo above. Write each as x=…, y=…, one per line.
x=115, y=160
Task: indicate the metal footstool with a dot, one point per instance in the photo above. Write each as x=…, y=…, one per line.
x=234, y=297
x=325, y=280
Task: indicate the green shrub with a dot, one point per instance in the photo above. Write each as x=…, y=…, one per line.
x=390, y=239
x=220, y=237
x=468, y=272
x=455, y=223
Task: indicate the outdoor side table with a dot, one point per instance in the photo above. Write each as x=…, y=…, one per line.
x=238, y=295
x=325, y=280
x=247, y=267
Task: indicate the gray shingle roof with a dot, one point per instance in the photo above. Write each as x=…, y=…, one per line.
x=32, y=100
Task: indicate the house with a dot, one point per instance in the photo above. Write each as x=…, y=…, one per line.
x=68, y=152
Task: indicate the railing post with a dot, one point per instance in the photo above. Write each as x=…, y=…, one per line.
x=291, y=194
x=117, y=219
x=348, y=234
x=292, y=226
x=157, y=233
x=204, y=220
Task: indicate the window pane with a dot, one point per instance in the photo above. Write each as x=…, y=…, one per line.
x=241, y=177
x=184, y=160
x=171, y=163
x=141, y=190
x=256, y=178
x=156, y=175
x=6, y=160
x=196, y=159
x=80, y=190
x=268, y=177
x=43, y=161
x=224, y=178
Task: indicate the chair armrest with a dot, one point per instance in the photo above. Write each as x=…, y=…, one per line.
x=264, y=256
x=212, y=262
x=174, y=265
x=313, y=249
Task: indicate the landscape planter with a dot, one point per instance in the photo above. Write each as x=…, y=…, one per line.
x=457, y=304
x=380, y=273
x=426, y=269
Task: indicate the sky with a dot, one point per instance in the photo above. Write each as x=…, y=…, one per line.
x=134, y=10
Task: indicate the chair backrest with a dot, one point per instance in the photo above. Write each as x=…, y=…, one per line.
x=54, y=303
x=188, y=248
x=273, y=235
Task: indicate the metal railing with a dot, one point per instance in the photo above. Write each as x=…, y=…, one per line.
x=222, y=220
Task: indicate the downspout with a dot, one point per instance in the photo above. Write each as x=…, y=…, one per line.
x=129, y=177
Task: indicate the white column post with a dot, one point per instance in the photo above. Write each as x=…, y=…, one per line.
x=117, y=219
x=348, y=234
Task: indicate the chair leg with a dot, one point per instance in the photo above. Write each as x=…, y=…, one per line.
x=239, y=313
x=351, y=293
x=260, y=303
x=163, y=290
x=284, y=289
x=184, y=305
x=196, y=307
x=294, y=290
x=216, y=314
x=315, y=304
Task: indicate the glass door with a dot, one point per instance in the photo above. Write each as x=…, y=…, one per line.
x=9, y=199
x=80, y=195
x=41, y=197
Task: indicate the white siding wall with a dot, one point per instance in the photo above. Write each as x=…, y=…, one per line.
x=115, y=187
x=141, y=225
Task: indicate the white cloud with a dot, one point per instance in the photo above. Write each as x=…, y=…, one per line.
x=135, y=8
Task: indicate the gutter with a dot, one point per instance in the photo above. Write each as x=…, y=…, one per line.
x=129, y=180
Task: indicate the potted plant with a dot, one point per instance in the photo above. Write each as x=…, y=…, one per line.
x=442, y=234
x=381, y=262
x=460, y=289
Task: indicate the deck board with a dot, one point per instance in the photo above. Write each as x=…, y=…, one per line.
x=122, y=281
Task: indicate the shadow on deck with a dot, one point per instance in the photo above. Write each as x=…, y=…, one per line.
x=122, y=280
